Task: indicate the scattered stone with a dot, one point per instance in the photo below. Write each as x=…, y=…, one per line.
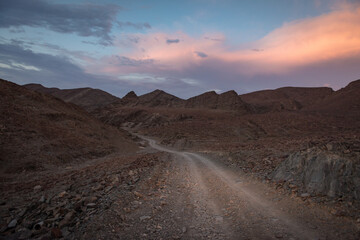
x=91, y=205
x=22, y=213
x=12, y=224
x=42, y=199
x=305, y=195
x=329, y=146
x=138, y=194
x=56, y=233
x=62, y=194
x=142, y=218
x=67, y=219
x=184, y=229
x=37, y=188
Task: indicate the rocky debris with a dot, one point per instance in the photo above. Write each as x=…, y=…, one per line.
x=12, y=224
x=72, y=198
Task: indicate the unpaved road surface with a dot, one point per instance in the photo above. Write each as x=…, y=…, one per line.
x=199, y=198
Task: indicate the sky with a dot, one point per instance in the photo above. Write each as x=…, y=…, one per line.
x=182, y=47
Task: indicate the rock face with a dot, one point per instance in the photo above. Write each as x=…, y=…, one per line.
x=285, y=99
x=321, y=172
x=87, y=98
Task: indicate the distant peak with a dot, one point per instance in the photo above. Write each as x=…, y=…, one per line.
x=210, y=93
x=130, y=94
x=33, y=84
x=158, y=91
x=230, y=92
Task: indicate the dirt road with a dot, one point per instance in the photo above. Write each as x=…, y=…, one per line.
x=202, y=199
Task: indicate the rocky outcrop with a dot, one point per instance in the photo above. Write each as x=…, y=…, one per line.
x=321, y=172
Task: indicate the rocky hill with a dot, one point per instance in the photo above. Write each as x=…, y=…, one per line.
x=38, y=130
x=159, y=98
x=287, y=98
x=211, y=100
x=345, y=101
x=88, y=98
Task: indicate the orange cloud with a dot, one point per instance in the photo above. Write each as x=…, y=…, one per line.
x=295, y=44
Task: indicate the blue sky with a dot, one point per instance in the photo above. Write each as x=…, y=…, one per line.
x=182, y=47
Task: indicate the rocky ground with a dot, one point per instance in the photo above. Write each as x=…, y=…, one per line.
x=161, y=193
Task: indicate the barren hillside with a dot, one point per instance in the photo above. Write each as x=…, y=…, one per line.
x=38, y=130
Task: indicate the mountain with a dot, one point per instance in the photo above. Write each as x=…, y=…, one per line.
x=38, y=130
x=345, y=101
x=159, y=98
x=87, y=98
x=211, y=100
x=287, y=98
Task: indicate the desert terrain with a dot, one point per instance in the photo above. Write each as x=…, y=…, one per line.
x=273, y=164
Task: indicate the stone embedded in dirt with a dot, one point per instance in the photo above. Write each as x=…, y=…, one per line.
x=138, y=194
x=62, y=194
x=12, y=224
x=56, y=233
x=305, y=195
x=42, y=199
x=329, y=146
x=67, y=219
x=37, y=188
x=91, y=205
x=142, y=218
x=184, y=229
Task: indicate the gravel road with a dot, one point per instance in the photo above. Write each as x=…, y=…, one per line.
x=203, y=199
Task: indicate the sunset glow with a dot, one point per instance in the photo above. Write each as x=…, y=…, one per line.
x=323, y=34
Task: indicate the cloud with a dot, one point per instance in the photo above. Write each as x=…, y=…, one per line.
x=170, y=41
x=81, y=19
x=134, y=25
x=201, y=54
x=299, y=43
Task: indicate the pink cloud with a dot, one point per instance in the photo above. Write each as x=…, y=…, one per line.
x=335, y=35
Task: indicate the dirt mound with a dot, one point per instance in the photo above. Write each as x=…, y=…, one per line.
x=38, y=130
x=87, y=98
x=285, y=99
